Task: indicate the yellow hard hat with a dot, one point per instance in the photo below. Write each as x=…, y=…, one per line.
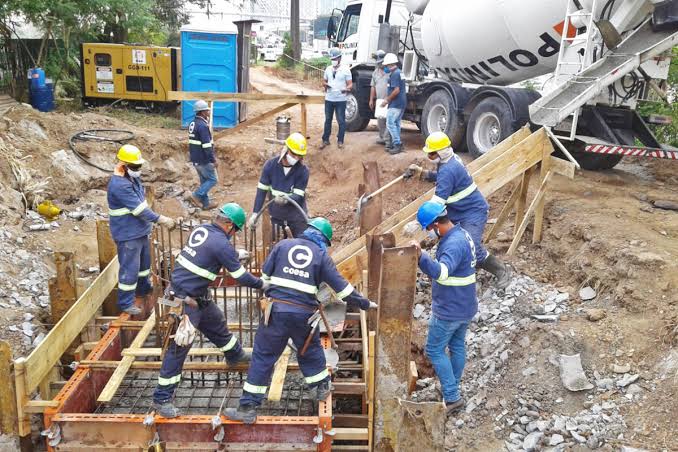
x=437, y=141
x=129, y=153
x=297, y=143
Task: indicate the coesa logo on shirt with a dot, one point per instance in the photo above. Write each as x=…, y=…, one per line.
x=197, y=238
x=299, y=257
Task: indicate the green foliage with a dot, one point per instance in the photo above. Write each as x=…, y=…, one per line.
x=320, y=63
x=285, y=62
x=666, y=134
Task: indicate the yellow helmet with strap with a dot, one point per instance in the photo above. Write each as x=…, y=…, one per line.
x=297, y=143
x=436, y=142
x=131, y=154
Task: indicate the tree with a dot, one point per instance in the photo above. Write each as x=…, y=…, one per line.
x=667, y=134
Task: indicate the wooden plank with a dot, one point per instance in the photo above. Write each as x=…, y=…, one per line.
x=341, y=387
x=371, y=211
x=522, y=198
x=375, y=245
x=107, y=252
x=304, y=121
x=119, y=374
x=22, y=396
x=253, y=120
x=279, y=373
x=63, y=291
x=350, y=434
x=8, y=401
x=521, y=229
x=207, y=366
x=414, y=376
x=246, y=97
x=38, y=406
x=562, y=167
x=370, y=389
x=504, y=214
x=544, y=171
x=152, y=352
x=349, y=420
x=48, y=352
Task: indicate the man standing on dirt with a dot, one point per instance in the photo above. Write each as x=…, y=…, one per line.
x=202, y=155
x=454, y=297
x=465, y=204
x=396, y=102
x=285, y=177
x=337, y=82
x=379, y=91
x=131, y=221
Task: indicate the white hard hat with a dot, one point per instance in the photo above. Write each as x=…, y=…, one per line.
x=200, y=105
x=390, y=58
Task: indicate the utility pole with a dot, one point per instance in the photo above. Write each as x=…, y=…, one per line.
x=294, y=30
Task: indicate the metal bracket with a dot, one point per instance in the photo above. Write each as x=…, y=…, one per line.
x=53, y=434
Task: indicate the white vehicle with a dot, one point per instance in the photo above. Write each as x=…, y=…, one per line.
x=460, y=58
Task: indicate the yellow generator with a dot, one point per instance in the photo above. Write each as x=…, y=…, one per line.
x=142, y=75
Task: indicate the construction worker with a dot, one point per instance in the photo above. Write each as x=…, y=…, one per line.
x=379, y=90
x=208, y=249
x=131, y=221
x=465, y=204
x=338, y=82
x=284, y=177
x=201, y=150
x=295, y=269
x=454, y=297
x=396, y=100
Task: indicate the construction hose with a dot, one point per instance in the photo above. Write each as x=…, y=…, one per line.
x=289, y=199
x=96, y=135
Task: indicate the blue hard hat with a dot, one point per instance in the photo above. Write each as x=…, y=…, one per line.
x=428, y=212
x=335, y=53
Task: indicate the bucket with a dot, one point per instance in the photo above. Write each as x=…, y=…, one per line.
x=42, y=98
x=37, y=76
x=282, y=127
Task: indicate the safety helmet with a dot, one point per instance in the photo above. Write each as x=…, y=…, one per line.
x=380, y=56
x=390, y=58
x=296, y=143
x=234, y=213
x=131, y=154
x=428, y=212
x=436, y=142
x=322, y=225
x=335, y=53
x=200, y=105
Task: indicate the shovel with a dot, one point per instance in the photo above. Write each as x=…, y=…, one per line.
x=364, y=198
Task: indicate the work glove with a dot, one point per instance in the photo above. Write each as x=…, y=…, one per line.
x=251, y=223
x=167, y=222
x=280, y=200
x=373, y=305
x=244, y=256
x=413, y=171
x=185, y=332
x=266, y=285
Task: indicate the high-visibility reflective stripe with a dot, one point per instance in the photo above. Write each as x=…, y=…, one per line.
x=169, y=381
x=261, y=186
x=317, y=377
x=275, y=192
x=140, y=208
x=462, y=194
x=265, y=276
x=458, y=281
x=230, y=344
x=238, y=273
x=118, y=212
x=296, y=191
x=253, y=389
x=144, y=273
x=198, y=142
x=191, y=267
x=301, y=287
x=127, y=287
x=444, y=272
x=207, y=145
x=438, y=199
x=346, y=292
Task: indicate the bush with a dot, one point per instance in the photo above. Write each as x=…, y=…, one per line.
x=320, y=63
x=284, y=61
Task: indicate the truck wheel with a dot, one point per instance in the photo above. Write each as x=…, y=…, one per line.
x=354, y=122
x=489, y=124
x=440, y=115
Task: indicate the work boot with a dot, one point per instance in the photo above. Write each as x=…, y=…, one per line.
x=166, y=410
x=324, y=144
x=132, y=310
x=381, y=141
x=501, y=271
x=340, y=145
x=396, y=149
x=453, y=407
x=244, y=413
x=195, y=201
x=323, y=390
x=245, y=357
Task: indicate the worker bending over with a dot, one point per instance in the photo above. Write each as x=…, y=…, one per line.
x=454, y=297
x=201, y=153
x=284, y=177
x=131, y=221
x=465, y=204
x=295, y=269
x=208, y=249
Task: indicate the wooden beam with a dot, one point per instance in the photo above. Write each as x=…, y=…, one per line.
x=349, y=388
x=107, y=252
x=370, y=389
x=63, y=290
x=154, y=352
x=504, y=214
x=375, y=245
x=205, y=366
x=521, y=229
x=48, y=352
x=350, y=420
x=371, y=211
x=246, y=97
x=521, y=202
x=414, y=376
x=8, y=401
x=253, y=120
x=38, y=406
x=539, y=210
x=304, y=121
x=562, y=167
x=350, y=434
x=279, y=373
x=119, y=374
x=22, y=396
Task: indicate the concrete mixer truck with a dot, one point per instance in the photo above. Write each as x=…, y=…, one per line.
x=464, y=62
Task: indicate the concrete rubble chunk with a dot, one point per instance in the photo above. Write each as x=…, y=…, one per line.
x=524, y=341
x=572, y=374
x=532, y=441
x=587, y=293
x=621, y=368
x=556, y=439
x=545, y=317
x=595, y=315
x=627, y=380
x=666, y=204
x=418, y=310
x=631, y=449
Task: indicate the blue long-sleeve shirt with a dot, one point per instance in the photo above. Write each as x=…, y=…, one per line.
x=207, y=250
x=454, y=276
x=200, y=145
x=296, y=268
x=129, y=214
x=274, y=181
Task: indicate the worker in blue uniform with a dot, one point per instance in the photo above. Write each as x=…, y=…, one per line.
x=201, y=153
x=295, y=268
x=282, y=177
x=131, y=221
x=465, y=204
x=207, y=250
x=454, y=297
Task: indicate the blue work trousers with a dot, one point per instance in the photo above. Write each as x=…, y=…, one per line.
x=330, y=109
x=394, y=118
x=475, y=227
x=211, y=322
x=447, y=335
x=208, y=179
x=134, y=257
x=269, y=343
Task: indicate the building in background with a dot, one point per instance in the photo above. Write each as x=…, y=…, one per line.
x=325, y=7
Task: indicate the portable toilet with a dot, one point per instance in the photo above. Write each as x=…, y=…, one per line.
x=209, y=63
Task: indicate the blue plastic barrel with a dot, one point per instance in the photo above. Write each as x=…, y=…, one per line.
x=37, y=76
x=42, y=98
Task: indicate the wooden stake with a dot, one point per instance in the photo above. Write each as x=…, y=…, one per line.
x=371, y=211
x=8, y=395
x=521, y=229
x=304, y=122
x=375, y=245
x=539, y=211
x=504, y=214
x=62, y=288
x=107, y=251
x=22, y=397
x=279, y=373
x=370, y=390
x=522, y=198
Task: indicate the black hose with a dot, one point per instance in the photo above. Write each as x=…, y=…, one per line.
x=92, y=135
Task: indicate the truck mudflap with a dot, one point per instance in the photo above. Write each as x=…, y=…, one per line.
x=594, y=146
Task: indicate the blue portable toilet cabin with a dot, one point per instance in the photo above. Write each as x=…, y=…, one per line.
x=209, y=63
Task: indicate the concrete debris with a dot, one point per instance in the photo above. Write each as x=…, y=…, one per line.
x=572, y=374
x=545, y=318
x=587, y=293
x=627, y=380
x=595, y=315
x=621, y=369
x=418, y=310
x=665, y=204
x=556, y=439
x=631, y=449
x=532, y=441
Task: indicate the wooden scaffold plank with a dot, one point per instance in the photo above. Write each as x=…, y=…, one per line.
x=279, y=373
